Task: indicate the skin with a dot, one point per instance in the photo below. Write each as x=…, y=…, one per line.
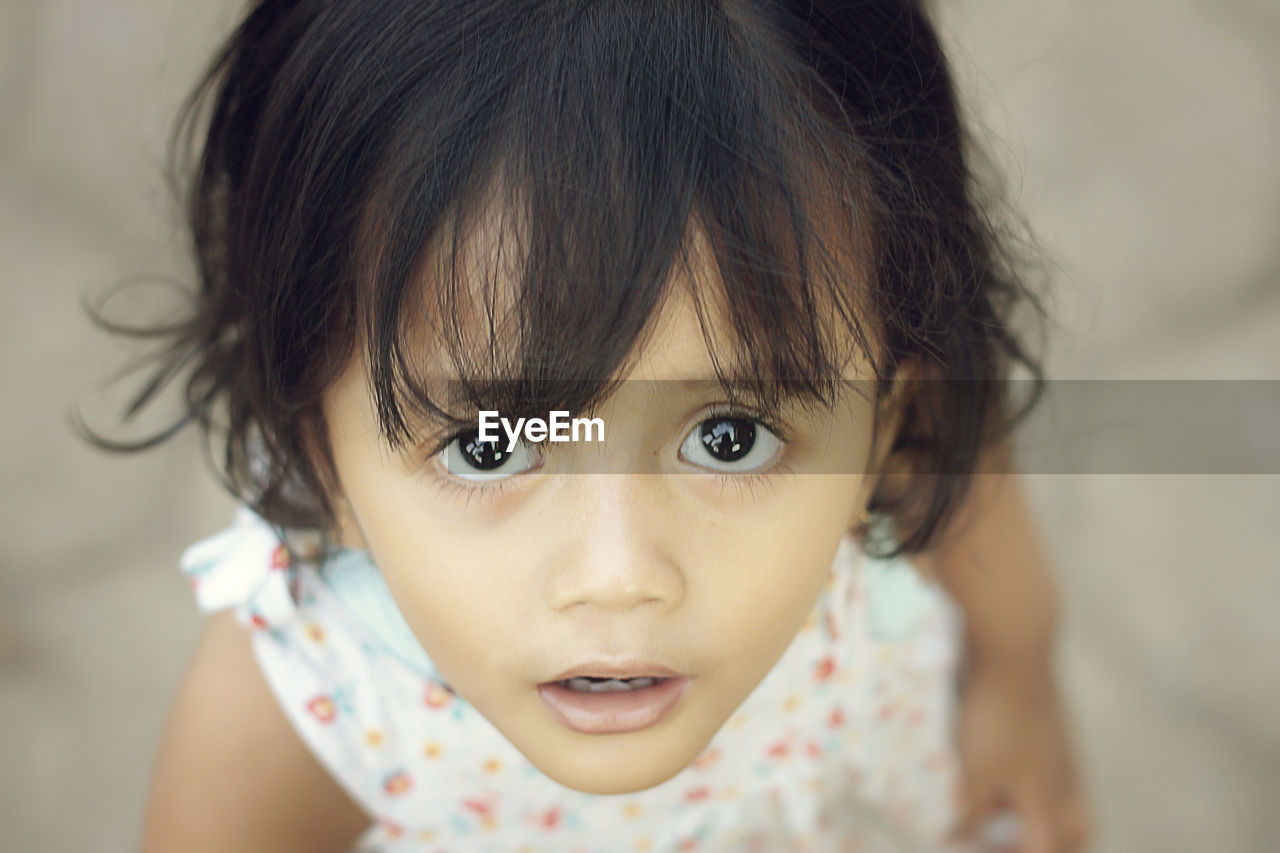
x=1013, y=736
x=231, y=773
x=508, y=584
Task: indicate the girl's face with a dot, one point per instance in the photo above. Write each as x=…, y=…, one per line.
x=508, y=583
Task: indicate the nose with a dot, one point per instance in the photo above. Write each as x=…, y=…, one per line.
x=616, y=553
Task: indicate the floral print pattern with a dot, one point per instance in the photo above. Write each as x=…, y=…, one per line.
x=844, y=746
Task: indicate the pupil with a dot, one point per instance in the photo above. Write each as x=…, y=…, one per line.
x=728, y=439
x=484, y=455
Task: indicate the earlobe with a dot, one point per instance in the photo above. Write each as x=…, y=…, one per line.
x=860, y=525
x=890, y=414
x=346, y=530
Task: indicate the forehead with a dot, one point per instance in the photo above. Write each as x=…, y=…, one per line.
x=511, y=306
x=479, y=278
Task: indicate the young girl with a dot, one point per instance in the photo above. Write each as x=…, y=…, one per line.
x=741, y=236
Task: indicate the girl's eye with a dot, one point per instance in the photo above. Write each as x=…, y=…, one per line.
x=730, y=444
x=469, y=458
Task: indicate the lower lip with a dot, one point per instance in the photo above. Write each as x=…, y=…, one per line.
x=613, y=713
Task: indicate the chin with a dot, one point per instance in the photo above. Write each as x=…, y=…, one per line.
x=610, y=777
x=616, y=764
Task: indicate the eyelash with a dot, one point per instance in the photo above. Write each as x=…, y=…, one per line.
x=452, y=488
x=724, y=410
x=747, y=483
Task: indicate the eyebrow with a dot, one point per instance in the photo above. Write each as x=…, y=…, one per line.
x=464, y=398
x=777, y=396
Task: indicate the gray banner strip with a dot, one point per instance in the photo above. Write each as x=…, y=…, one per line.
x=1078, y=427
x=1154, y=427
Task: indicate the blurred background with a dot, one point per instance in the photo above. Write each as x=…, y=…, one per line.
x=1141, y=138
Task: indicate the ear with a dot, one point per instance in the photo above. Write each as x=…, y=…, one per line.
x=345, y=531
x=890, y=414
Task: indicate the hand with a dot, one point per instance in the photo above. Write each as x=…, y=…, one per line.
x=1015, y=754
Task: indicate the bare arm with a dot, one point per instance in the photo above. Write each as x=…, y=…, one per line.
x=1013, y=739
x=232, y=774
x=993, y=564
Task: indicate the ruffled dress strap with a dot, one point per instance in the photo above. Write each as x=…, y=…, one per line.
x=247, y=567
x=320, y=656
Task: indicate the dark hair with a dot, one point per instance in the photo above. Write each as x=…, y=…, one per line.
x=353, y=147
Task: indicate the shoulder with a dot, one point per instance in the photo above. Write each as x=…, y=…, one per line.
x=231, y=772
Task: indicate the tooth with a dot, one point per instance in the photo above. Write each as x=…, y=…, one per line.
x=610, y=686
x=594, y=684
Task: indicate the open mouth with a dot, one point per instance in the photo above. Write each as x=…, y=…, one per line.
x=592, y=705
x=591, y=684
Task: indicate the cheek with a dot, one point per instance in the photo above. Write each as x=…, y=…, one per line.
x=460, y=609
x=448, y=584
x=763, y=572
x=447, y=580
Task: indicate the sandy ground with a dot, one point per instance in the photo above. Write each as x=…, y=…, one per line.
x=1141, y=137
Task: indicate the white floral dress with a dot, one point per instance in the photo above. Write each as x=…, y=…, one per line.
x=846, y=745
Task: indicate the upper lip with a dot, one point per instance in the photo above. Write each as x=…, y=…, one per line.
x=617, y=669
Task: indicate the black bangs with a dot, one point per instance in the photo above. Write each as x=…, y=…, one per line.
x=493, y=200
x=527, y=235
